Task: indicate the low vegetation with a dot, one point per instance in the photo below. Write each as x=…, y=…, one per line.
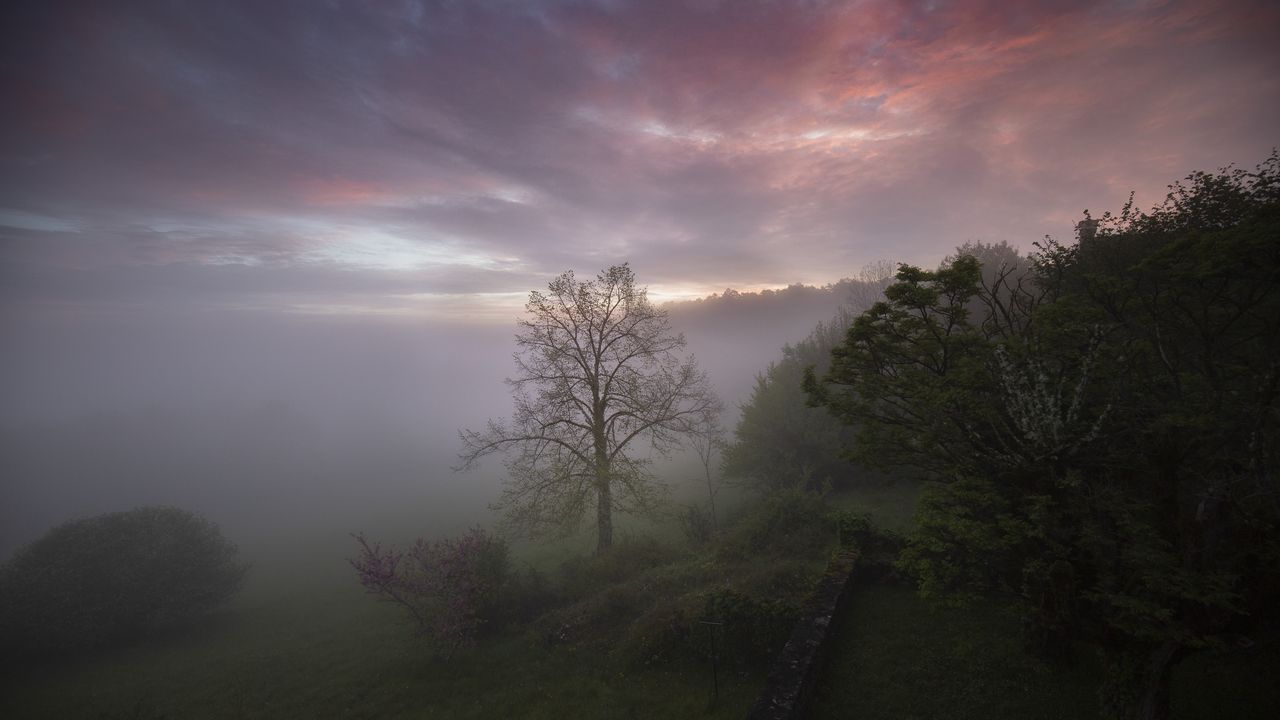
x=98, y=581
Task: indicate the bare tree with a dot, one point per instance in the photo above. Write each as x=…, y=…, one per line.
x=707, y=440
x=599, y=376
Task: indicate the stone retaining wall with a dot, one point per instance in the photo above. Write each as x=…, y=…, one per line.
x=790, y=685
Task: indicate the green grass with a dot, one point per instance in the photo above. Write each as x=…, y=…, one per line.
x=339, y=654
x=304, y=641
x=1240, y=685
x=897, y=656
x=891, y=504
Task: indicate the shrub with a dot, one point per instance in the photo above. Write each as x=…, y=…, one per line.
x=792, y=521
x=526, y=596
x=97, y=581
x=878, y=549
x=966, y=532
x=451, y=588
x=752, y=630
x=697, y=524
x=581, y=576
x=623, y=602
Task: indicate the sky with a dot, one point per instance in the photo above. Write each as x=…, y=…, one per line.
x=441, y=159
x=263, y=260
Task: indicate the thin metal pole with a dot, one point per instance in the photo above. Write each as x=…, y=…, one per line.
x=715, y=657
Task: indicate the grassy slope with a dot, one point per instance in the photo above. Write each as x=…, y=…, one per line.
x=304, y=641
x=898, y=657
x=341, y=655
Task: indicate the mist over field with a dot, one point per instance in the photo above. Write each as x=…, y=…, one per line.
x=273, y=424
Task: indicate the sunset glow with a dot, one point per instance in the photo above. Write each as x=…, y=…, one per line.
x=401, y=149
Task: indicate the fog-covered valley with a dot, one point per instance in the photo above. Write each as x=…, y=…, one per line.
x=278, y=424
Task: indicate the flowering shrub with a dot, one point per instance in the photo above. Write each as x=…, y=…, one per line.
x=451, y=588
x=92, y=582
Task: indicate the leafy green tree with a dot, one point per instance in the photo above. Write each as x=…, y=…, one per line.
x=781, y=441
x=1105, y=438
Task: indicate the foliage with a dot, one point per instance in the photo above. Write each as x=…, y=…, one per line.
x=326, y=651
x=965, y=532
x=780, y=441
x=1106, y=436
x=629, y=602
x=752, y=628
x=599, y=374
x=581, y=576
x=451, y=588
x=527, y=595
x=878, y=549
x=650, y=608
x=790, y=521
x=110, y=578
x=697, y=524
x=891, y=643
x=906, y=369
x=707, y=441
x=139, y=710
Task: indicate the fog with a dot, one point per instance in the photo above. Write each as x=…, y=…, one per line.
x=281, y=426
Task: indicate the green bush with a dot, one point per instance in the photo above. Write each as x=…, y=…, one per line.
x=584, y=575
x=697, y=524
x=751, y=630
x=98, y=581
x=878, y=549
x=966, y=540
x=526, y=595
x=792, y=521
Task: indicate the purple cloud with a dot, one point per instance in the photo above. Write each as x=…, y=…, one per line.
x=349, y=155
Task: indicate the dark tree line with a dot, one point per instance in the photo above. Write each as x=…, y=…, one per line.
x=1102, y=428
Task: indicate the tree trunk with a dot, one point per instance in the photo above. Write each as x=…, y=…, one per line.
x=711, y=498
x=1136, y=681
x=1154, y=702
x=604, y=505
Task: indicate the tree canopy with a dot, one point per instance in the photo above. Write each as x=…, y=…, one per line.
x=1104, y=432
x=780, y=441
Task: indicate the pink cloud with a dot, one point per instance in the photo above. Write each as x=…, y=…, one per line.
x=725, y=143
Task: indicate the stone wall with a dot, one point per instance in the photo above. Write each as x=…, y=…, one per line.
x=791, y=679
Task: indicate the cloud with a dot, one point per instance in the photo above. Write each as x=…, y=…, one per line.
x=286, y=152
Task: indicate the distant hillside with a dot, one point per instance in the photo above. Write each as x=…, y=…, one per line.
x=736, y=335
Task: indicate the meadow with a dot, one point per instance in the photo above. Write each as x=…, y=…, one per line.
x=304, y=640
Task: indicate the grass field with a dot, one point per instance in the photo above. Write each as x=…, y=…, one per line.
x=897, y=656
